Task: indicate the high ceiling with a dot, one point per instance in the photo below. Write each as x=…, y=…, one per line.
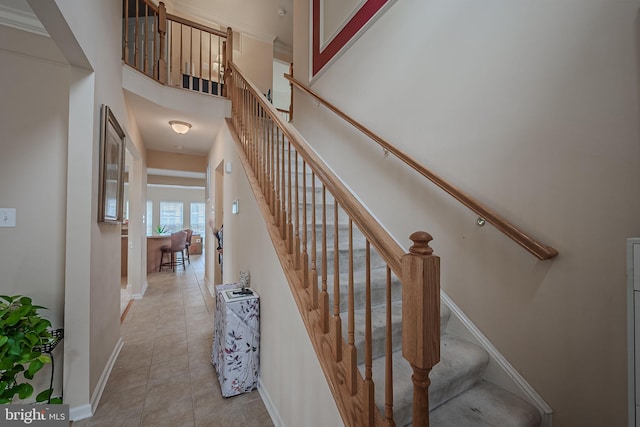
x=267, y=20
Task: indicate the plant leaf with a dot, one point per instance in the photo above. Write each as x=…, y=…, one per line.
x=34, y=367
x=25, y=390
x=43, y=395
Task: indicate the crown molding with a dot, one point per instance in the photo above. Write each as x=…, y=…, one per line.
x=21, y=20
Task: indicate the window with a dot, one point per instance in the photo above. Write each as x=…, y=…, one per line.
x=149, y=218
x=171, y=216
x=197, y=218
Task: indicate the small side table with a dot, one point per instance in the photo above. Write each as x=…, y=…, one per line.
x=236, y=341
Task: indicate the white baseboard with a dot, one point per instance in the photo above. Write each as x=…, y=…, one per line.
x=271, y=409
x=499, y=371
x=210, y=287
x=102, y=382
x=141, y=294
x=80, y=412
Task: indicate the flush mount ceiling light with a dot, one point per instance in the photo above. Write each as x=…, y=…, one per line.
x=180, y=127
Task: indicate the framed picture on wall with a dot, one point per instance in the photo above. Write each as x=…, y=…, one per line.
x=111, y=184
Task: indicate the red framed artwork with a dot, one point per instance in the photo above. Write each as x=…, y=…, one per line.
x=323, y=53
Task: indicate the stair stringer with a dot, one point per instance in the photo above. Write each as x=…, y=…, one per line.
x=499, y=371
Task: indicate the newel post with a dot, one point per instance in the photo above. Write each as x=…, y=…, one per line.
x=421, y=319
x=162, y=32
x=227, y=57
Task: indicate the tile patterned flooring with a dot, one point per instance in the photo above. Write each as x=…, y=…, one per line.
x=163, y=375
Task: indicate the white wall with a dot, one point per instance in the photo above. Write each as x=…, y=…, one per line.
x=291, y=378
x=33, y=176
x=281, y=87
x=92, y=259
x=532, y=108
x=255, y=58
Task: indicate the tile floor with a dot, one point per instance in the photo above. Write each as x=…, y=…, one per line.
x=163, y=375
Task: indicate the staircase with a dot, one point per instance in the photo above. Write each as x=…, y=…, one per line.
x=344, y=281
x=459, y=395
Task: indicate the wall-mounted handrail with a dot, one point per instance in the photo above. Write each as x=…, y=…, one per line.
x=537, y=248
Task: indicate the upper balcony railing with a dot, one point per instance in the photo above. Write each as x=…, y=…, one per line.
x=173, y=50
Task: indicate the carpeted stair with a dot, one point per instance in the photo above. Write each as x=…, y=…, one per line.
x=459, y=394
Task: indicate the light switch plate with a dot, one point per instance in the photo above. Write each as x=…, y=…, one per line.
x=7, y=217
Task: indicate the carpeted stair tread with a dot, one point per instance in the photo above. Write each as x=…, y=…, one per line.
x=378, y=327
x=461, y=366
x=485, y=405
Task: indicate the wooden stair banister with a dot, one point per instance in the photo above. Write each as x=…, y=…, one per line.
x=537, y=248
x=390, y=249
x=270, y=150
x=154, y=46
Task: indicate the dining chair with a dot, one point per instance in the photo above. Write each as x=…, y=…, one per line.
x=177, y=246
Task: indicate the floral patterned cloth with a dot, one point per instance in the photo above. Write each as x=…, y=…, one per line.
x=236, y=340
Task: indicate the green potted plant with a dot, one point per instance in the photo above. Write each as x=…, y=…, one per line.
x=23, y=335
x=161, y=229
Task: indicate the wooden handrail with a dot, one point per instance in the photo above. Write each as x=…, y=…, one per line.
x=388, y=248
x=537, y=248
x=197, y=26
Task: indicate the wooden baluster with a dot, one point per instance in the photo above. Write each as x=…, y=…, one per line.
x=162, y=76
x=289, y=202
x=125, y=25
x=145, y=56
x=228, y=57
x=369, y=386
x=227, y=71
x=305, y=254
x=257, y=124
x=324, y=295
x=278, y=203
x=248, y=122
x=337, y=321
x=291, y=93
x=254, y=131
x=272, y=197
x=388, y=379
x=265, y=154
x=421, y=319
x=314, y=244
x=265, y=157
x=296, y=244
x=352, y=352
x=283, y=196
x=136, y=34
x=249, y=130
